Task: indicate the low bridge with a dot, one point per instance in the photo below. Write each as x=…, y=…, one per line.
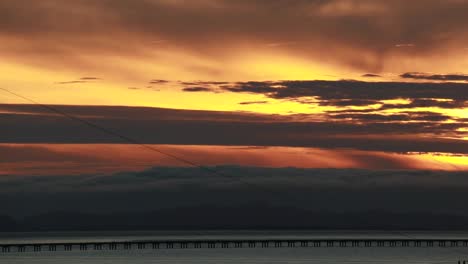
x=230, y=243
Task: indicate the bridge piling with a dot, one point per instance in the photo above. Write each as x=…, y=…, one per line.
x=113, y=246
x=97, y=246
x=264, y=243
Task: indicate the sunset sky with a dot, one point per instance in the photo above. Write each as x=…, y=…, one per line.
x=363, y=84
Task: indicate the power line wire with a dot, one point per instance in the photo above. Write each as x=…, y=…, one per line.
x=136, y=142
x=103, y=129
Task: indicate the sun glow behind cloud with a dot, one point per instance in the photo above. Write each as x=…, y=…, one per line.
x=132, y=53
x=43, y=159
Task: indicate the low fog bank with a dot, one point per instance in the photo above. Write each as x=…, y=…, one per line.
x=236, y=198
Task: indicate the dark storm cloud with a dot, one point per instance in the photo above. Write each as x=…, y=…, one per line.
x=39, y=154
x=435, y=77
x=203, y=86
x=190, y=83
x=371, y=75
x=415, y=103
x=347, y=90
x=90, y=79
x=348, y=102
x=143, y=113
x=408, y=116
x=454, y=104
x=81, y=80
x=72, y=82
x=232, y=176
x=197, y=89
x=319, y=190
x=201, y=83
x=166, y=126
x=253, y=102
x=158, y=81
x=313, y=26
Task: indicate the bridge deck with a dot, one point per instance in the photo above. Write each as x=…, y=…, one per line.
x=231, y=243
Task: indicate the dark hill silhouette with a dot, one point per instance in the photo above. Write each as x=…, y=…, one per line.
x=246, y=217
x=8, y=224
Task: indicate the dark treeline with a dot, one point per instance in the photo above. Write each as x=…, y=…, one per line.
x=248, y=217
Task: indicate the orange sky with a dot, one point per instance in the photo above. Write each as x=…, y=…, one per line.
x=128, y=43
x=43, y=159
x=202, y=54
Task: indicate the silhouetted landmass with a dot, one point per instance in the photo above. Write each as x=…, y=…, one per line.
x=7, y=223
x=240, y=198
x=247, y=217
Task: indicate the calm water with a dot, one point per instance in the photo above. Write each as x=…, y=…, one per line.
x=232, y=255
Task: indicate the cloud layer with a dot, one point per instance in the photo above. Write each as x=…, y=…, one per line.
x=319, y=190
x=435, y=77
x=189, y=127
x=357, y=92
x=79, y=159
x=347, y=33
x=276, y=57
x=375, y=101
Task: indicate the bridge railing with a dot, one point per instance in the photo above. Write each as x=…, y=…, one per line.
x=250, y=243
